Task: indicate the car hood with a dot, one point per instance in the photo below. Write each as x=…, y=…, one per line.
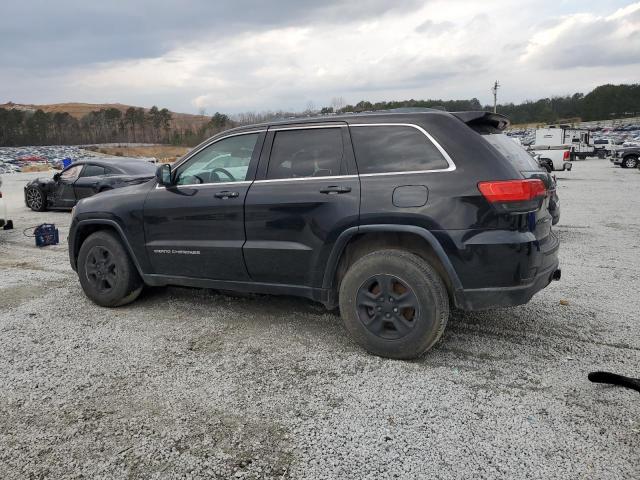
x=39, y=181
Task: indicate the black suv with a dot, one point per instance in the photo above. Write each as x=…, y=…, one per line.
x=393, y=217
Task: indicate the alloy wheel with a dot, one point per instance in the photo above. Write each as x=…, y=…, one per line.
x=34, y=198
x=630, y=162
x=387, y=307
x=101, y=269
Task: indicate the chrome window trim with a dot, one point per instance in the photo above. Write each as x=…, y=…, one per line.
x=336, y=125
x=191, y=185
x=451, y=166
x=302, y=179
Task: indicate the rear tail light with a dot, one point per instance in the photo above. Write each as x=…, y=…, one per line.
x=514, y=196
x=566, y=155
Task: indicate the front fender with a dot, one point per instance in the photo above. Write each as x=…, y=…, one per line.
x=80, y=229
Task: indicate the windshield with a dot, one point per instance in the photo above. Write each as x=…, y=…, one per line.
x=513, y=152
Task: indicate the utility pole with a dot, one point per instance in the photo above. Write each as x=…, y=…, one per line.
x=495, y=88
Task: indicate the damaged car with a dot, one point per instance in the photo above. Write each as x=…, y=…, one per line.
x=83, y=179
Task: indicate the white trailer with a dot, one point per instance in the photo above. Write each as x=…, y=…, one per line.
x=563, y=135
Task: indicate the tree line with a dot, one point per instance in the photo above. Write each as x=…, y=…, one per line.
x=109, y=125
x=155, y=125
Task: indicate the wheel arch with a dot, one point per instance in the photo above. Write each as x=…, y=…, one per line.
x=356, y=242
x=87, y=227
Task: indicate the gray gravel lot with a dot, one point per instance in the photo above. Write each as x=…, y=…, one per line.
x=196, y=384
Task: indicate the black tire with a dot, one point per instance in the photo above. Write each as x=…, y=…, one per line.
x=410, y=331
x=36, y=199
x=106, y=272
x=629, y=162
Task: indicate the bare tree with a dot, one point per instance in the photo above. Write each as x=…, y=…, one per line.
x=311, y=107
x=338, y=103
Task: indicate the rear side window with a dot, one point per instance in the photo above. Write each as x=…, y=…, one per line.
x=93, y=171
x=394, y=148
x=313, y=152
x=513, y=152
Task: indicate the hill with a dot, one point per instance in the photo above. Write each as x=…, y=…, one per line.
x=179, y=121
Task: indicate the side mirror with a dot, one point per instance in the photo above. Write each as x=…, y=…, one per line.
x=163, y=174
x=56, y=176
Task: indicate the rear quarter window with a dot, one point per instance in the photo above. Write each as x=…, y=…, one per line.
x=394, y=148
x=513, y=152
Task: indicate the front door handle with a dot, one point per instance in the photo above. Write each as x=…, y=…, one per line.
x=335, y=189
x=226, y=194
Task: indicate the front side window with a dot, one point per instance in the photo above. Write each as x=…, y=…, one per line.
x=311, y=152
x=71, y=174
x=224, y=161
x=93, y=171
x=394, y=148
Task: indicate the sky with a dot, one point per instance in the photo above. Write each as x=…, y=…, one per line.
x=251, y=55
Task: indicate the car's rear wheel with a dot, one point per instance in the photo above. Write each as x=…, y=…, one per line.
x=106, y=272
x=36, y=200
x=394, y=304
x=630, y=162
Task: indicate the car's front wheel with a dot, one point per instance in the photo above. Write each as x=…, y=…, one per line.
x=394, y=304
x=630, y=162
x=106, y=272
x=36, y=200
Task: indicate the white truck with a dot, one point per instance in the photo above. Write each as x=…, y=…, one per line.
x=553, y=158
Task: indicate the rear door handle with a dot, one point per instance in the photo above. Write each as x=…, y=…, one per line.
x=226, y=194
x=335, y=189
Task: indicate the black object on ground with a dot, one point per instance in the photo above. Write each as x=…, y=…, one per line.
x=45, y=234
x=614, y=379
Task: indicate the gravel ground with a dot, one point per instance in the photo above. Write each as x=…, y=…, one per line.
x=196, y=384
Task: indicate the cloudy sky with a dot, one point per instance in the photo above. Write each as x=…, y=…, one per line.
x=247, y=55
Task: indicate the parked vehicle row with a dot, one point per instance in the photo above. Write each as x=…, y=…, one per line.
x=393, y=217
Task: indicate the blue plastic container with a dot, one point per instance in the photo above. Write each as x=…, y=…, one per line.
x=66, y=162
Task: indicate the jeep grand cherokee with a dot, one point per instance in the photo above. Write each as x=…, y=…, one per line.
x=392, y=217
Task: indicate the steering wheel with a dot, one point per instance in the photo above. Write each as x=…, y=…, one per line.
x=225, y=172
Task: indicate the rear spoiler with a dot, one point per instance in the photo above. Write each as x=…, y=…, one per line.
x=484, y=121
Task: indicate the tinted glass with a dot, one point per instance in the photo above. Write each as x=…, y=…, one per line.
x=513, y=152
x=93, y=171
x=306, y=153
x=381, y=149
x=133, y=167
x=224, y=161
x=71, y=173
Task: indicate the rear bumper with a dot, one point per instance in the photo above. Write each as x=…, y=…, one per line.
x=500, y=268
x=487, y=298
